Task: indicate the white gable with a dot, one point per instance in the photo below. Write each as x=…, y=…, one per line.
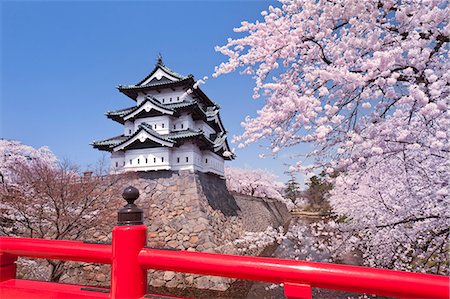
x=160, y=74
x=147, y=107
x=142, y=136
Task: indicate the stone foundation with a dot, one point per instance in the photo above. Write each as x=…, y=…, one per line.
x=187, y=211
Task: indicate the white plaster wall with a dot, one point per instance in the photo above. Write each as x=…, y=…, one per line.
x=182, y=123
x=147, y=159
x=128, y=128
x=174, y=159
x=117, y=161
x=200, y=124
x=213, y=163
x=186, y=151
x=162, y=123
x=169, y=96
x=140, y=98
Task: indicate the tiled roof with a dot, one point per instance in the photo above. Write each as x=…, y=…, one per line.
x=181, y=104
x=160, y=84
x=118, y=115
x=160, y=64
x=120, y=112
x=184, y=134
x=172, y=136
x=110, y=141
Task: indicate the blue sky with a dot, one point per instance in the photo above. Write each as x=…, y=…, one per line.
x=61, y=61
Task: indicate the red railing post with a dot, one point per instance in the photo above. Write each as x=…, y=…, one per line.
x=297, y=291
x=7, y=266
x=128, y=278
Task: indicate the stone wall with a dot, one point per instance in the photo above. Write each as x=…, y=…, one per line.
x=258, y=213
x=189, y=211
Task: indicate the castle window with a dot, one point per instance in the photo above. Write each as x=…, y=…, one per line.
x=129, y=131
x=164, y=100
x=131, y=161
x=178, y=160
x=146, y=160
x=162, y=126
x=170, y=100
x=117, y=164
x=154, y=160
x=174, y=127
x=138, y=161
x=182, y=126
x=162, y=159
x=206, y=160
x=155, y=126
x=187, y=159
x=178, y=98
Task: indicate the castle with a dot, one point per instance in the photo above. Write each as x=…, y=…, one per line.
x=173, y=126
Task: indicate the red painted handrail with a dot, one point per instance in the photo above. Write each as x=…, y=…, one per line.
x=57, y=250
x=130, y=260
x=320, y=275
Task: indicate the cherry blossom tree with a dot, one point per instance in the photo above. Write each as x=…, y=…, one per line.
x=367, y=83
x=255, y=182
x=44, y=198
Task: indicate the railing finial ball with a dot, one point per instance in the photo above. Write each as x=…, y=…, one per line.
x=130, y=214
x=130, y=194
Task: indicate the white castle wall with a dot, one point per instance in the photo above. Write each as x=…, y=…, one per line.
x=182, y=123
x=199, y=124
x=166, y=96
x=160, y=124
x=186, y=157
x=128, y=128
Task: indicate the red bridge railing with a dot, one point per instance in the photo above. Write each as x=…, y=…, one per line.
x=130, y=260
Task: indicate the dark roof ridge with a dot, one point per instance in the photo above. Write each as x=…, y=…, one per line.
x=146, y=129
x=126, y=87
x=160, y=64
x=147, y=99
x=118, y=111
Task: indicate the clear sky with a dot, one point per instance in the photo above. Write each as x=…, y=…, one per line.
x=61, y=62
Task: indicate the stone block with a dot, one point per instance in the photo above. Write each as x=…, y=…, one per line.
x=169, y=275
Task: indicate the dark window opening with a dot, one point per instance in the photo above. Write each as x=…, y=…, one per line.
x=131, y=162
x=206, y=160
x=187, y=159
x=154, y=160
x=138, y=161
x=129, y=131
x=117, y=164
x=162, y=126
x=162, y=159
x=174, y=127
x=146, y=160
x=182, y=126
x=178, y=160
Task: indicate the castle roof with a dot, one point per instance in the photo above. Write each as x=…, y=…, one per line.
x=160, y=65
x=162, y=77
x=152, y=107
x=146, y=137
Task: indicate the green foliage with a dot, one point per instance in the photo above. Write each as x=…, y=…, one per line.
x=318, y=188
x=292, y=190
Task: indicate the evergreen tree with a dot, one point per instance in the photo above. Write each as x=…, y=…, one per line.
x=318, y=188
x=292, y=190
